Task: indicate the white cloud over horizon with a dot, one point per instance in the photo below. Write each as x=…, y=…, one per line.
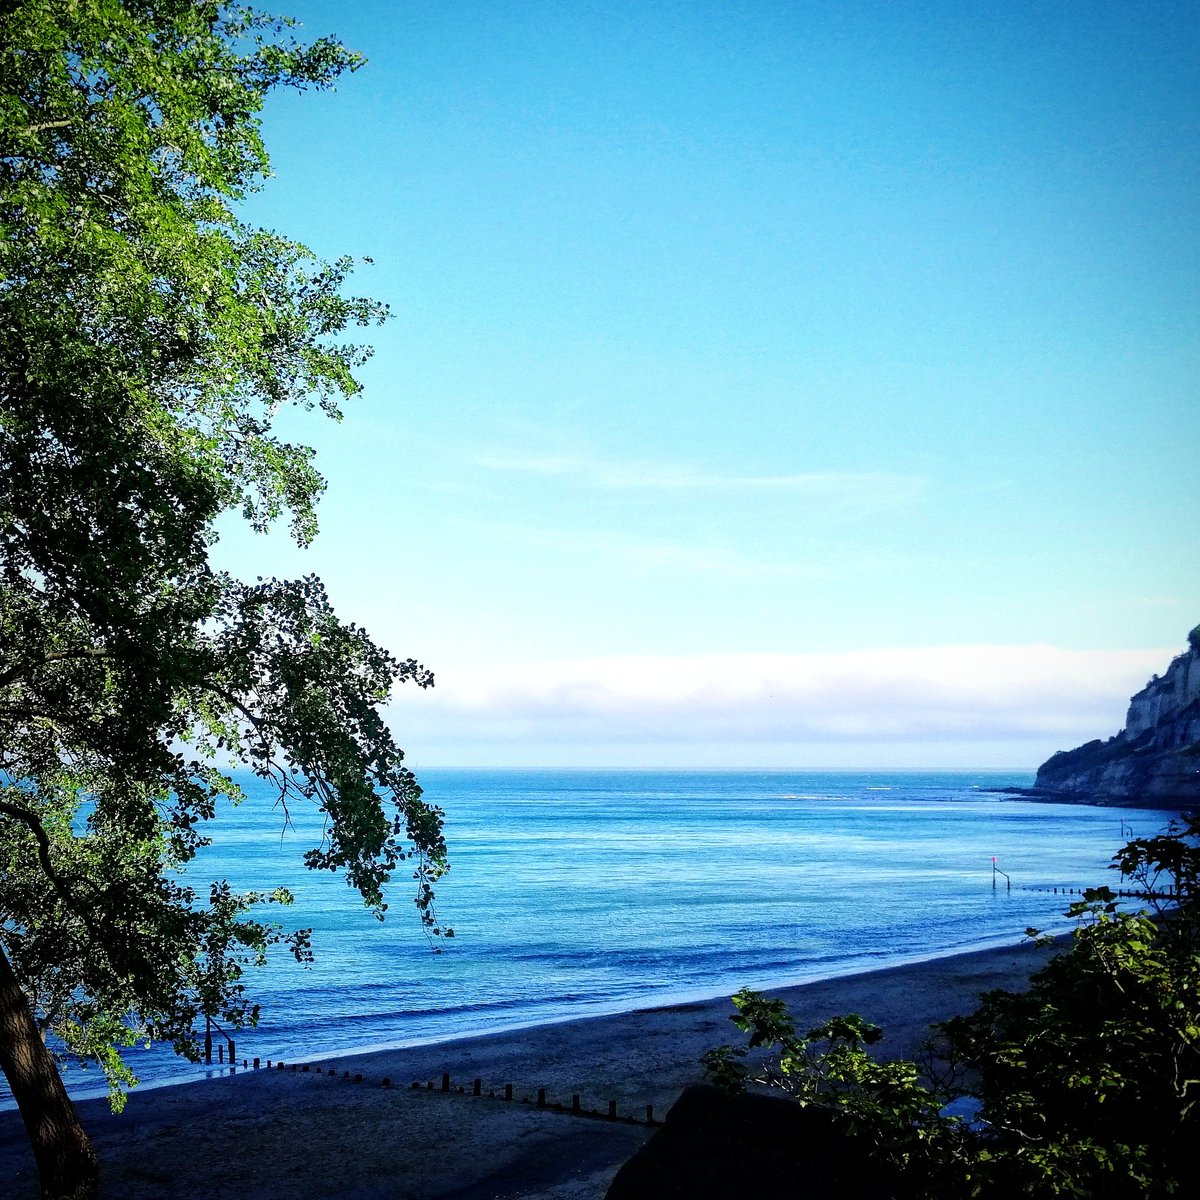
x=946, y=705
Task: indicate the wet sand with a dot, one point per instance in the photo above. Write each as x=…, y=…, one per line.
x=300, y=1135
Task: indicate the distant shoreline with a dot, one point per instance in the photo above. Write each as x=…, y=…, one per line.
x=1167, y=803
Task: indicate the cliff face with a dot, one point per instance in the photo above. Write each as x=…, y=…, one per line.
x=1154, y=760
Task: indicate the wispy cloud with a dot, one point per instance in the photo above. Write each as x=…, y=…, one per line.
x=671, y=477
x=1040, y=695
x=632, y=552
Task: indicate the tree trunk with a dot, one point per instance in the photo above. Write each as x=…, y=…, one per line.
x=66, y=1162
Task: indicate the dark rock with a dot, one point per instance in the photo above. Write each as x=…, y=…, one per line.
x=1154, y=761
x=714, y=1146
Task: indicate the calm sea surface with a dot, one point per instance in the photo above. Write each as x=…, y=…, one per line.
x=582, y=892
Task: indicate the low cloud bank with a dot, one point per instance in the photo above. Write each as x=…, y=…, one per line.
x=952, y=706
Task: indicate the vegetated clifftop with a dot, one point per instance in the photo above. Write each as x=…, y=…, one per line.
x=1154, y=761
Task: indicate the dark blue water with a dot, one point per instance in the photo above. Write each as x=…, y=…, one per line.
x=573, y=893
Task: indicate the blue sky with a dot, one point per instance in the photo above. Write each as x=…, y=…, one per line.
x=805, y=384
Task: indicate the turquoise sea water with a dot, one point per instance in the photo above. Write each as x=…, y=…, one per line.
x=579, y=892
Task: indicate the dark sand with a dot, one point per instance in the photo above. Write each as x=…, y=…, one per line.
x=283, y=1135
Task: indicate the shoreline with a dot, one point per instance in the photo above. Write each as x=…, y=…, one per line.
x=597, y=1009
x=299, y=1135
x=399, y=1006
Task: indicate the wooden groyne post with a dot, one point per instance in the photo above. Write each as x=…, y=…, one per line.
x=209, y=1026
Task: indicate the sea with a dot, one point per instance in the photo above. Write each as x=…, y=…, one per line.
x=576, y=893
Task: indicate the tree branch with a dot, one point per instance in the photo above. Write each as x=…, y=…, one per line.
x=47, y=125
x=20, y=672
x=57, y=881
x=261, y=730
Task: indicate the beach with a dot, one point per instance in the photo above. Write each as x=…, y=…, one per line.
x=290, y=1134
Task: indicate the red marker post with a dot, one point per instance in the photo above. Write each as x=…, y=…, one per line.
x=995, y=871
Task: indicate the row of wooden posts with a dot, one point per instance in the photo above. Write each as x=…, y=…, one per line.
x=1119, y=893
x=574, y=1109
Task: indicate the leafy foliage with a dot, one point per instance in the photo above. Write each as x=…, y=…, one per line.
x=148, y=341
x=1086, y=1084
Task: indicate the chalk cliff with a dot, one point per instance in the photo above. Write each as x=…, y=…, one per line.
x=1154, y=761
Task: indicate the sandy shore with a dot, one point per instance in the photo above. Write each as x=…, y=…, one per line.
x=295, y=1135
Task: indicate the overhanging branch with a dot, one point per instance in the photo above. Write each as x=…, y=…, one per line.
x=27, y=668
x=59, y=882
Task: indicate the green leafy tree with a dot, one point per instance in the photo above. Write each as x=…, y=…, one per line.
x=1087, y=1084
x=148, y=339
